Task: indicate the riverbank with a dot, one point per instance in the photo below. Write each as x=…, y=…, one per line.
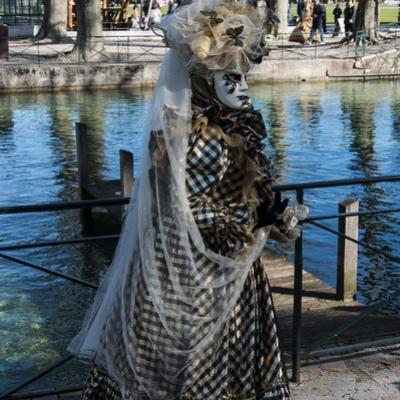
x=94, y=76
x=135, y=62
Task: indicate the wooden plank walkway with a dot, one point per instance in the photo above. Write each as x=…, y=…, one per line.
x=321, y=315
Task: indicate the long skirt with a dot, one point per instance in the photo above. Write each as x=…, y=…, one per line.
x=248, y=364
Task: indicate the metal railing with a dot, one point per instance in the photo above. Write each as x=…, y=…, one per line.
x=281, y=48
x=297, y=352
x=126, y=48
x=120, y=48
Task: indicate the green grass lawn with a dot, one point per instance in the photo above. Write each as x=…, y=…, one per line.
x=389, y=14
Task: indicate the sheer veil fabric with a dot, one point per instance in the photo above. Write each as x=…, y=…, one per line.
x=159, y=216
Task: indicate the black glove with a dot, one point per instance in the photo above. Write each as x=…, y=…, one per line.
x=267, y=214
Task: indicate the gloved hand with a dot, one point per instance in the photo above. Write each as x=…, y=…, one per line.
x=268, y=214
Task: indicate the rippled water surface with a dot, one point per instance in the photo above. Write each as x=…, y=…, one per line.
x=316, y=132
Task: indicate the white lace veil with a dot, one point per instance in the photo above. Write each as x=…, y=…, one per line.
x=159, y=241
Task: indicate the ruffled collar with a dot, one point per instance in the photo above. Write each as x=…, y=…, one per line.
x=249, y=124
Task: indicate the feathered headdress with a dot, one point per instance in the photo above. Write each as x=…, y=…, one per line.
x=215, y=35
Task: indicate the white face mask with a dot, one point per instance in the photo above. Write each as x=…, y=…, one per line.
x=231, y=89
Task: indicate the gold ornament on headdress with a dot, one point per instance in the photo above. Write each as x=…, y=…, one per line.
x=201, y=46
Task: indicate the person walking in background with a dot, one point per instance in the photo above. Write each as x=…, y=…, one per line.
x=172, y=5
x=155, y=14
x=348, y=18
x=300, y=9
x=318, y=15
x=134, y=17
x=323, y=5
x=337, y=13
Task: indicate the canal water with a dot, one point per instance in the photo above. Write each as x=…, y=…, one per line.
x=316, y=132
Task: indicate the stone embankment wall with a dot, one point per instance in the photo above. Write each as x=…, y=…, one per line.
x=72, y=77
x=62, y=77
x=386, y=62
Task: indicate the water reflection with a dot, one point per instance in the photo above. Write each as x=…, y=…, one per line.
x=360, y=108
x=62, y=142
x=6, y=124
x=41, y=166
x=396, y=119
x=276, y=118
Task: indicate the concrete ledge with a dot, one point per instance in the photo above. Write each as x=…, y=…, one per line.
x=72, y=77
x=298, y=70
x=387, y=61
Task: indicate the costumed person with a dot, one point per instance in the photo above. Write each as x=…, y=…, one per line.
x=337, y=14
x=185, y=311
x=318, y=22
x=155, y=14
x=348, y=18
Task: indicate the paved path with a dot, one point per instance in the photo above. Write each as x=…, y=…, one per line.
x=375, y=375
x=139, y=46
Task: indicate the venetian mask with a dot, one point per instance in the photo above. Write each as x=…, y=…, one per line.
x=231, y=89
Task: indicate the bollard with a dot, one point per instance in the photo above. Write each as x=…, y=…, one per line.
x=4, y=49
x=126, y=172
x=346, y=287
x=83, y=170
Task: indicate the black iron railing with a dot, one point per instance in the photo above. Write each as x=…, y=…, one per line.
x=297, y=351
x=129, y=48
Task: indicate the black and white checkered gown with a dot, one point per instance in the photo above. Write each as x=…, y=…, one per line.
x=245, y=362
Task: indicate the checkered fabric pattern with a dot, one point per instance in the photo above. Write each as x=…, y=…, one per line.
x=206, y=164
x=244, y=362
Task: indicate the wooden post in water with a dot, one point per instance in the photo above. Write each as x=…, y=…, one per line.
x=126, y=172
x=83, y=167
x=346, y=287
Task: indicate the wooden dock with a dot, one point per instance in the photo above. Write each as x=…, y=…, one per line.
x=106, y=189
x=322, y=312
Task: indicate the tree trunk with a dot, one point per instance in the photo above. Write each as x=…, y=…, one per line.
x=54, y=23
x=366, y=23
x=281, y=10
x=89, y=44
x=302, y=31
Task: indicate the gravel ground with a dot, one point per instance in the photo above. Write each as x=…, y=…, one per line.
x=374, y=375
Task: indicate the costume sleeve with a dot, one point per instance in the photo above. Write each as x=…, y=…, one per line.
x=207, y=165
x=207, y=162
x=231, y=225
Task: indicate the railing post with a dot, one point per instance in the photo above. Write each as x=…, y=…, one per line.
x=38, y=52
x=118, y=50
x=4, y=43
x=297, y=300
x=126, y=173
x=346, y=286
x=127, y=50
x=83, y=167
